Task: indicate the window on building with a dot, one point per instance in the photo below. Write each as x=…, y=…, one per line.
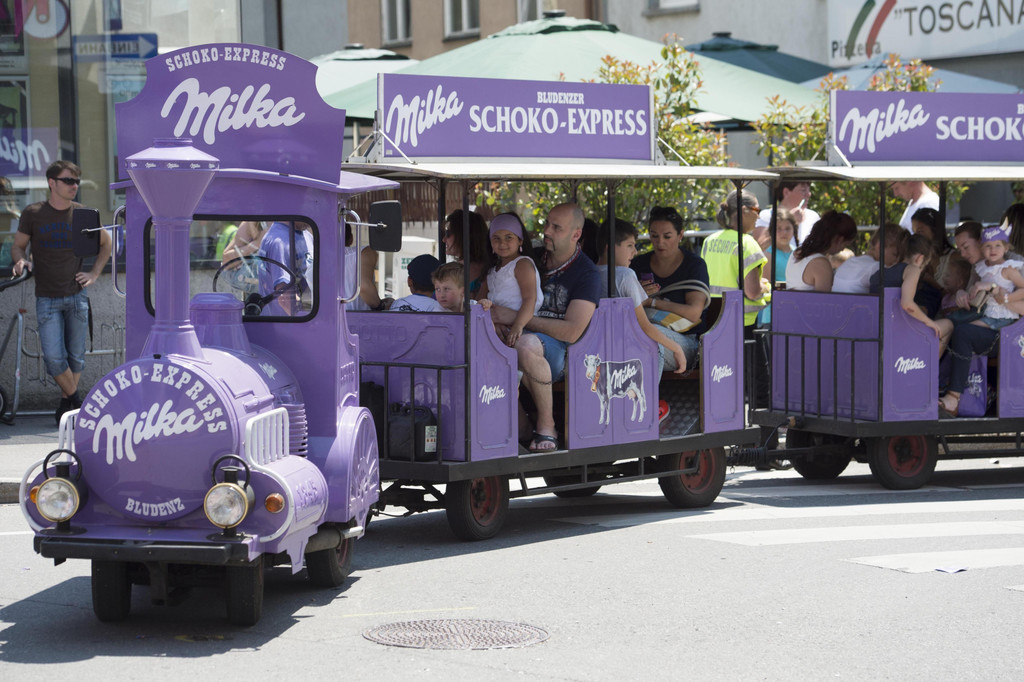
x=531, y=10
x=461, y=18
x=672, y=5
x=395, y=21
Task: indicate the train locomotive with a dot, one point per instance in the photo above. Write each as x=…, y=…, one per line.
x=224, y=447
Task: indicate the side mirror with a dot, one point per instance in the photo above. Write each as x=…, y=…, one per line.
x=85, y=232
x=388, y=238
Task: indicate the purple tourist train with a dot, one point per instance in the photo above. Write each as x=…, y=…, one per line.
x=262, y=419
x=223, y=447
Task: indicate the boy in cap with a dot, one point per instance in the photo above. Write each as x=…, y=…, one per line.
x=421, y=268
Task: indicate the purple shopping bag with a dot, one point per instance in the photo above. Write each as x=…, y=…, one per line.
x=974, y=399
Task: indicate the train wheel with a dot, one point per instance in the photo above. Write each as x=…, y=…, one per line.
x=903, y=462
x=477, y=509
x=816, y=467
x=698, y=489
x=111, y=590
x=243, y=591
x=330, y=567
x=552, y=481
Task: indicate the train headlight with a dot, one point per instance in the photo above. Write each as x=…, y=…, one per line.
x=57, y=499
x=227, y=504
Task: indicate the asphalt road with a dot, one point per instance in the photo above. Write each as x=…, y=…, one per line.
x=779, y=580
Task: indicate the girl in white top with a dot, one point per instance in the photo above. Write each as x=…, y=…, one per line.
x=809, y=268
x=997, y=272
x=514, y=282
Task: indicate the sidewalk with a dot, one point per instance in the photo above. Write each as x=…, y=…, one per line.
x=22, y=444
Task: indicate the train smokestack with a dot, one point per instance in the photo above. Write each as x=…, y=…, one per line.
x=171, y=176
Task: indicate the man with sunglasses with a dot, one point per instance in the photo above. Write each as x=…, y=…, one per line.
x=62, y=305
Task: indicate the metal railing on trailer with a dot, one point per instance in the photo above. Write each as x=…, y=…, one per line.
x=826, y=431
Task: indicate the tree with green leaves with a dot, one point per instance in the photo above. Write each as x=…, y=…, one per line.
x=788, y=134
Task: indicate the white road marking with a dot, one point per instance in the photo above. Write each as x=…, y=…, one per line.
x=764, y=513
x=16, y=532
x=924, y=562
x=794, y=536
x=817, y=490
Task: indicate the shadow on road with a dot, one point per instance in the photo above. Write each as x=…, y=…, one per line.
x=38, y=625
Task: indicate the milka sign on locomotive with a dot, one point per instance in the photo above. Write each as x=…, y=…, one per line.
x=927, y=126
x=437, y=117
x=249, y=106
x=141, y=420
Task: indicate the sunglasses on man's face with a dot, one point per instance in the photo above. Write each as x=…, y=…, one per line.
x=70, y=181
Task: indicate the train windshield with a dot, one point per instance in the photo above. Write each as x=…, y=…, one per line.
x=267, y=263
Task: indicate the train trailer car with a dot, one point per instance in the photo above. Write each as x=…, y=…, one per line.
x=854, y=376
x=449, y=407
x=234, y=439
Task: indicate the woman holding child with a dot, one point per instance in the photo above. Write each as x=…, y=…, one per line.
x=981, y=336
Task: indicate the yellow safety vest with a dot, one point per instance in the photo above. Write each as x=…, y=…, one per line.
x=719, y=252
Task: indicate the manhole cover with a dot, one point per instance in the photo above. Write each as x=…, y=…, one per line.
x=456, y=634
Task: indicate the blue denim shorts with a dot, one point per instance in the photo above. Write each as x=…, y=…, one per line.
x=554, y=352
x=689, y=344
x=63, y=329
x=997, y=322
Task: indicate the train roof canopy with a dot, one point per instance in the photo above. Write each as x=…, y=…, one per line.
x=554, y=171
x=901, y=173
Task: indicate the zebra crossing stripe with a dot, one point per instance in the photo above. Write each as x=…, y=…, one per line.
x=754, y=512
x=925, y=562
x=794, y=536
x=839, y=489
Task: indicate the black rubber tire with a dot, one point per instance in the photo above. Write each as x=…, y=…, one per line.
x=700, y=489
x=815, y=467
x=574, y=493
x=111, y=590
x=903, y=462
x=243, y=593
x=477, y=508
x=330, y=567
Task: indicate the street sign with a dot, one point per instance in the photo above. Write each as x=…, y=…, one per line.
x=115, y=46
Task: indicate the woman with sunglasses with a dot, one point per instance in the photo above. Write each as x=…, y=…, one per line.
x=62, y=306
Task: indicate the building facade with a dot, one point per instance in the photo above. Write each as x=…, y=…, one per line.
x=425, y=28
x=983, y=38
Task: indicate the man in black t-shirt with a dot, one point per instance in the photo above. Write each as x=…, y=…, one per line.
x=572, y=290
x=62, y=306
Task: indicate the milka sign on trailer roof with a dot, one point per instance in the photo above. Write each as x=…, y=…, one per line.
x=926, y=126
x=447, y=117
